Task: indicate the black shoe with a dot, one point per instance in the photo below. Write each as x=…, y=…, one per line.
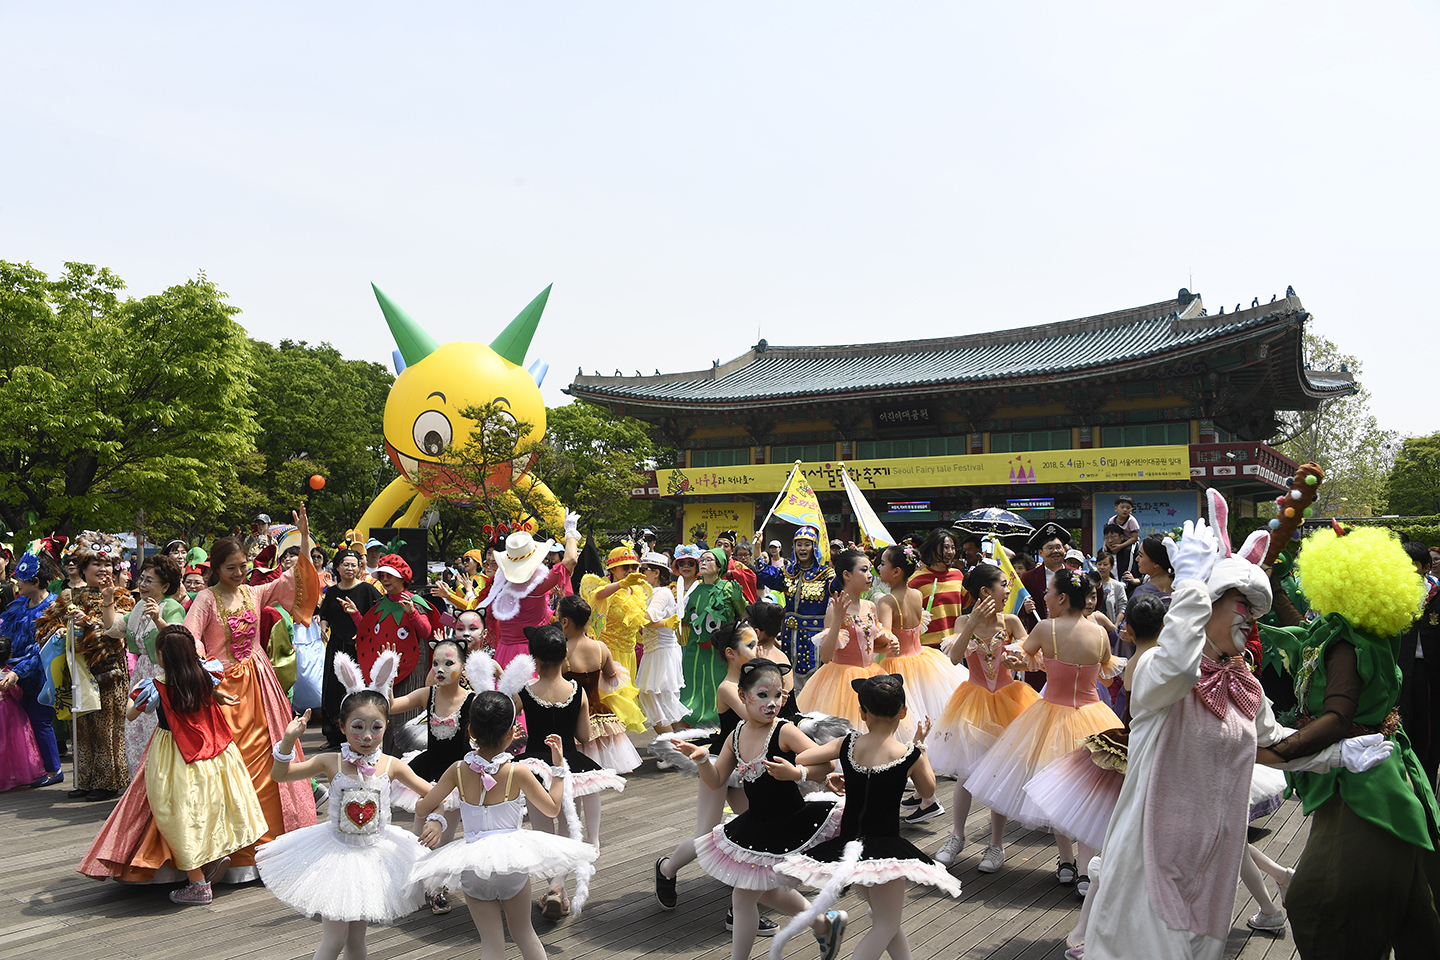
x=664, y=887
x=78, y=794
x=97, y=795
x=921, y=814
x=767, y=926
x=910, y=802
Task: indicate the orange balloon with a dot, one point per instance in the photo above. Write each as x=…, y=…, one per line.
x=317, y=482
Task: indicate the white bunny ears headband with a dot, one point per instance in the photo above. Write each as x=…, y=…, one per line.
x=480, y=671
x=1237, y=570
x=382, y=673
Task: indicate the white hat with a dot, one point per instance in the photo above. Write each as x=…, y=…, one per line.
x=521, y=557
x=656, y=560
x=773, y=543
x=1233, y=573
x=1073, y=554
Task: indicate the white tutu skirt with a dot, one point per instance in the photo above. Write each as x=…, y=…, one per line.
x=614, y=752
x=662, y=707
x=972, y=722
x=315, y=874
x=660, y=679
x=493, y=855
x=584, y=784
x=404, y=798
x=1267, y=791
x=867, y=873
x=1076, y=796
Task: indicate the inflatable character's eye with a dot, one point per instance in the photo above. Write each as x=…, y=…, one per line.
x=712, y=623
x=432, y=433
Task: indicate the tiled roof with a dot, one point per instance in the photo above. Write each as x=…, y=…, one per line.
x=1076, y=347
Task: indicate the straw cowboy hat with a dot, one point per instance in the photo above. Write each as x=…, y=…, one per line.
x=522, y=556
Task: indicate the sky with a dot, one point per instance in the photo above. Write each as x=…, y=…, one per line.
x=694, y=177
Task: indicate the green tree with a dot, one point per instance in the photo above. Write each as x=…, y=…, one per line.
x=318, y=414
x=593, y=459
x=112, y=408
x=1413, y=489
x=1343, y=437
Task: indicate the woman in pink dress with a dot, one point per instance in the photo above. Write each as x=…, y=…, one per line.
x=846, y=645
x=225, y=619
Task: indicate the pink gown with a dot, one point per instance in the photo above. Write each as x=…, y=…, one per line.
x=258, y=720
x=828, y=690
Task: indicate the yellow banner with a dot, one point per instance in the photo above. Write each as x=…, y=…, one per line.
x=709, y=520
x=799, y=505
x=972, y=470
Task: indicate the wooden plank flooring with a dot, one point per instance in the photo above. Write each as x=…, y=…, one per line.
x=1020, y=913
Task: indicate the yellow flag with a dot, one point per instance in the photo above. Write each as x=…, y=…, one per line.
x=799, y=505
x=1018, y=593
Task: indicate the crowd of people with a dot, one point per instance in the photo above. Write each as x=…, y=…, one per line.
x=1130, y=703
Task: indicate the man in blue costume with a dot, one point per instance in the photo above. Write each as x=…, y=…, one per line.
x=805, y=581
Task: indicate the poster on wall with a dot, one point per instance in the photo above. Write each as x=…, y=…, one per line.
x=1158, y=511
x=704, y=521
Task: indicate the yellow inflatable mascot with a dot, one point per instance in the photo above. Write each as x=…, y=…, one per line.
x=422, y=414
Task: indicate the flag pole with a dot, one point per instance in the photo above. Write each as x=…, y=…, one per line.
x=780, y=496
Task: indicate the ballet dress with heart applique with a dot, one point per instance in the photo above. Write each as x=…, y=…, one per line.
x=355, y=866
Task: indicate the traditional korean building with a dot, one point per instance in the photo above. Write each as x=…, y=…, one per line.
x=1052, y=421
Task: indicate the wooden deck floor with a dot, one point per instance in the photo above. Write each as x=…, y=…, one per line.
x=49, y=910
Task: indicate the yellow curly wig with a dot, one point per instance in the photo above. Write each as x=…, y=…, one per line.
x=1364, y=576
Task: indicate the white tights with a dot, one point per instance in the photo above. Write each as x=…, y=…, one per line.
x=490, y=926
x=960, y=810
x=886, y=902
x=341, y=935
x=709, y=810
x=745, y=912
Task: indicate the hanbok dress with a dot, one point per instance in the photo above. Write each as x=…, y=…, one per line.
x=20, y=763
x=140, y=632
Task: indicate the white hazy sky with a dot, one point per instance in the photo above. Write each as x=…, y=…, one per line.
x=691, y=177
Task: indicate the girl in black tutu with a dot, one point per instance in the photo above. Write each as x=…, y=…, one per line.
x=553, y=704
x=743, y=853
x=876, y=767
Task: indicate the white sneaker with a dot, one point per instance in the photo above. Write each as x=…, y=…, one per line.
x=1269, y=922
x=994, y=857
x=949, y=851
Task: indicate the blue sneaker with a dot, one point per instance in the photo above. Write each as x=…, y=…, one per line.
x=50, y=780
x=830, y=943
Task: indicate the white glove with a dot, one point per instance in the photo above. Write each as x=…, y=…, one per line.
x=1359, y=754
x=1196, y=553
x=572, y=525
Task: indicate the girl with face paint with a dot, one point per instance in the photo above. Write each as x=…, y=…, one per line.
x=744, y=852
x=354, y=869
x=848, y=645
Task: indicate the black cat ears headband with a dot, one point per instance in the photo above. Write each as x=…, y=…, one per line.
x=887, y=678
x=760, y=662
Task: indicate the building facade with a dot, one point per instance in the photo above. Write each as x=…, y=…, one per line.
x=1052, y=421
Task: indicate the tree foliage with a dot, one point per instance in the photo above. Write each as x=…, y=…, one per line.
x=593, y=459
x=111, y=406
x=1344, y=438
x=1413, y=488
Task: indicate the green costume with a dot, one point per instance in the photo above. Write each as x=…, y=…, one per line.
x=708, y=606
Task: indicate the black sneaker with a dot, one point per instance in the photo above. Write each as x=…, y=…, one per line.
x=664, y=887
x=767, y=926
x=911, y=801
x=921, y=814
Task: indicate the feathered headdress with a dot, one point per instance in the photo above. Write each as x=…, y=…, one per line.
x=382, y=674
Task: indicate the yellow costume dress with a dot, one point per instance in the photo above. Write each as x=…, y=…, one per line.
x=616, y=621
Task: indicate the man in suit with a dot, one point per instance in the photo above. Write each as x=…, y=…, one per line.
x=1419, y=663
x=1052, y=540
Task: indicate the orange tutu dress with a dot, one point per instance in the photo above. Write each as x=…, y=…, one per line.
x=979, y=711
x=930, y=678
x=1068, y=711
x=828, y=690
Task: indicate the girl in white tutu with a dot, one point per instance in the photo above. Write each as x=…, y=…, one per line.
x=354, y=869
x=661, y=676
x=493, y=866
x=780, y=821
x=876, y=766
